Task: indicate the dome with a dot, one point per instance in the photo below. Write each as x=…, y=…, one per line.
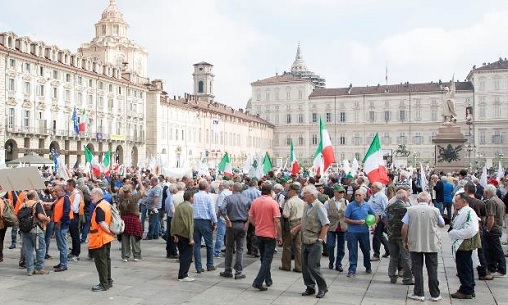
x=299, y=64
x=112, y=13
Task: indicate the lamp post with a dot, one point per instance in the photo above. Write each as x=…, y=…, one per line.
x=415, y=155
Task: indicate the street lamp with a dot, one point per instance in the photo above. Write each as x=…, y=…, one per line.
x=415, y=155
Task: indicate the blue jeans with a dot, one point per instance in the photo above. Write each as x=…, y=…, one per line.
x=31, y=242
x=440, y=206
x=266, y=250
x=353, y=239
x=333, y=238
x=61, y=243
x=14, y=236
x=203, y=229
x=85, y=227
x=50, y=228
x=143, y=211
x=219, y=238
x=154, y=225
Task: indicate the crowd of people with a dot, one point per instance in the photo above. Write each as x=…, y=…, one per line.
x=307, y=216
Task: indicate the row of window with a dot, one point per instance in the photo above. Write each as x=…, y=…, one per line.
x=277, y=95
x=67, y=77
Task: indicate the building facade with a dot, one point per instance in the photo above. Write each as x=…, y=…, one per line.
x=406, y=116
x=44, y=84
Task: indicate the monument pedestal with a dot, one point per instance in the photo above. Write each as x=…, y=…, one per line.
x=449, y=148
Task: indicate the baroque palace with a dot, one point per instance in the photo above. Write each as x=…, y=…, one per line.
x=120, y=109
x=406, y=115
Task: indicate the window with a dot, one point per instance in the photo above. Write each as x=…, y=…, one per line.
x=314, y=139
x=482, y=85
x=418, y=114
x=41, y=71
x=10, y=118
x=101, y=103
x=276, y=118
x=288, y=118
x=433, y=114
x=288, y=140
x=482, y=136
x=110, y=88
x=68, y=77
x=276, y=94
x=356, y=139
x=201, y=87
x=40, y=90
x=328, y=117
x=418, y=139
x=386, y=139
x=26, y=118
x=496, y=84
x=119, y=90
x=12, y=84
x=55, y=74
x=80, y=80
x=119, y=128
x=258, y=96
x=67, y=96
x=314, y=117
x=372, y=116
x=387, y=116
x=26, y=68
x=481, y=111
x=115, y=29
x=402, y=115
x=497, y=138
x=54, y=92
x=497, y=108
x=103, y=28
x=402, y=138
x=342, y=140
x=26, y=88
x=267, y=96
x=101, y=85
x=300, y=140
x=288, y=95
x=12, y=63
x=90, y=83
x=300, y=118
x=342, y=117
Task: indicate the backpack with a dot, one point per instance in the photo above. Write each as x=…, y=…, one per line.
x=26, y=219
x=117, y=225
x=8, y=216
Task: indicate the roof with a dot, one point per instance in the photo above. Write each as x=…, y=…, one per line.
x=389, y=89
x=203, y=63
x=501, y=64
x=280, y=79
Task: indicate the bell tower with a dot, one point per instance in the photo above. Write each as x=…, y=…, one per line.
x=203, y=80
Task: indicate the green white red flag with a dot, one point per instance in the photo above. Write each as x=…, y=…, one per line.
x=226, y=167
x=373, y=163
x=324, y=155
x=295, y=168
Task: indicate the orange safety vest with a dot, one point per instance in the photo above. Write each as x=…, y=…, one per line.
x=19, y=203
x=98, y=237
x=81, y=210
x=58, y=210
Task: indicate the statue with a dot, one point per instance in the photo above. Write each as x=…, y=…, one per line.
x=449, y=113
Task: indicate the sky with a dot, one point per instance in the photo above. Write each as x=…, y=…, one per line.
x=346, y=42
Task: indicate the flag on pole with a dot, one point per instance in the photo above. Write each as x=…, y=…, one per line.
x=82, y=121
x=225, y=166
x=324, y=152
x=267, y=164
x=75, y=122
x=295, y=168
x=88, y=155
x=373, y=163
x=483, y=177
x=107, y=159
x=500, y=172
x=355, y=167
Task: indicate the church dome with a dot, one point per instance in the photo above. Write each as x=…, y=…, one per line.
x=112, y=13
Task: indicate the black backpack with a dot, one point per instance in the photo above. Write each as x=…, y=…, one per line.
x=26, y=220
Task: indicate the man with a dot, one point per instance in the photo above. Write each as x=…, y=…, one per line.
x=335, y=208
x=178, y=196
x=465, y=238
x=398, y=255
x=292, y=213
x=224, y=191
x=182, y=232
x=378, y=201
x=390, y=187
x=264, y=215
x=34, y=240
x=99, y=241
x=420, y=238
x=153, y=205
x=235, y=210
x=314, y=227
x=403, y=181
x=169, y=206
x=205, y=221
x=358, y=232
x=495, y=210
x=252, y=193
x=62, y=215
x=133, y=233
x=76, y=198
x=479, y=207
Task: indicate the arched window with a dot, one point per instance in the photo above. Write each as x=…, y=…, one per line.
x=200, y=87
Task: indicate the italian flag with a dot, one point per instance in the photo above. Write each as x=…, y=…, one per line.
x=294, y=163
x=324, y=155
x=225, y=167
x=94, y=165
x=82, y=121
x=373, y=163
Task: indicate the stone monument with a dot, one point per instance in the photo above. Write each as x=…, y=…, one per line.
x=449, y=141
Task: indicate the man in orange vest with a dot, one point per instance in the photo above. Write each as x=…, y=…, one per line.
x=76, y=199
x=99, y=241
x=62, y=215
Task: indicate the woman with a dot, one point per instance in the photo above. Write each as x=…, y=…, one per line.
x=128, y=206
